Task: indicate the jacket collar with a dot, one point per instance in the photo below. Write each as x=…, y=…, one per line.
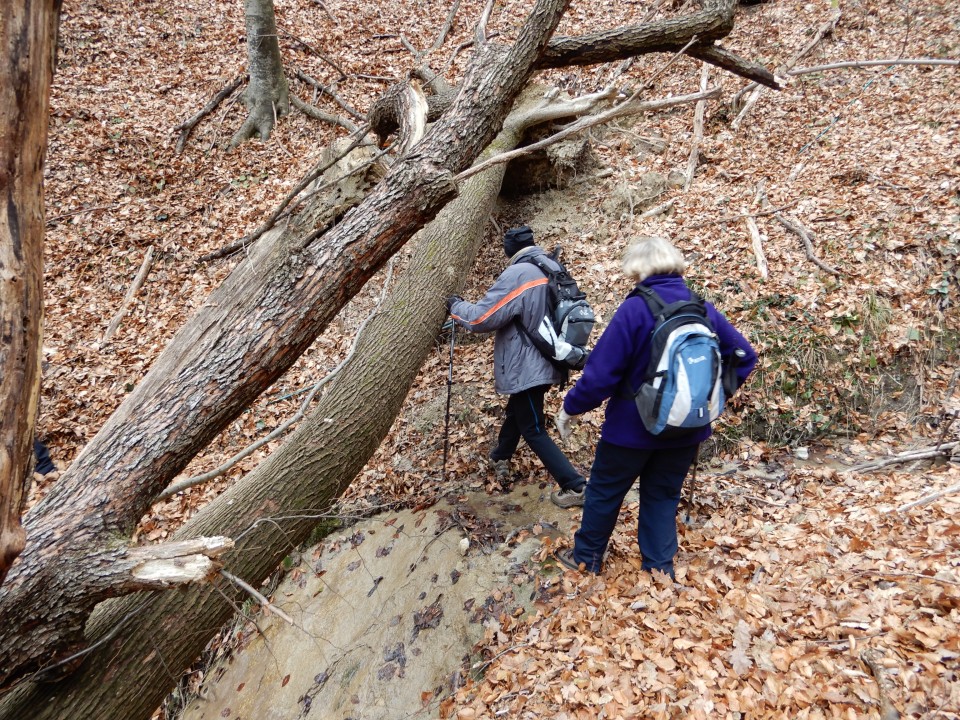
x=523, y=252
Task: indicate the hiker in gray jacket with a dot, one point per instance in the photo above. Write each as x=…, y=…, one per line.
x=520, y=296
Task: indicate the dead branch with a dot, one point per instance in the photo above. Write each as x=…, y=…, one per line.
x=873, y=63
x=131, y=293
x=657, y=210
x=698, y=114
x=323, y=89
x=480, y=35
x=266, y=604
x=712, y=22
x=318, y=114
x=732, y=63
x=872, y=660
x=319, y=54
x=186, y=127
x=825, y=29
x=625, y=108
x=794, y=226
x=757, y=244
x=939, y=451
x=240, y=244
x=930, y=498
x=731, y=218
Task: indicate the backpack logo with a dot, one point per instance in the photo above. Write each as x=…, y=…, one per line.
x=563, y=332
x=682, y=390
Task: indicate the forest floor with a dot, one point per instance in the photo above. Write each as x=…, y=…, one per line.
x=802, y=590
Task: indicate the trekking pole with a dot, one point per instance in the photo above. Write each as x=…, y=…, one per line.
x=693, y=482
x=446, y=422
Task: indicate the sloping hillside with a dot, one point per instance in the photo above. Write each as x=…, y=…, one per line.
x=794, y=571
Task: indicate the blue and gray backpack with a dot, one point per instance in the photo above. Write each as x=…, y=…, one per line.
x=682, y=390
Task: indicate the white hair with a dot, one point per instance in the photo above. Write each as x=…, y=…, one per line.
x=652, y=255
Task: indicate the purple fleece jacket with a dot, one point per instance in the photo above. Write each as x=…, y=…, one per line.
x=623, y=350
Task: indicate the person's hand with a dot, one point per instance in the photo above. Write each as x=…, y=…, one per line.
x=451, y=300
x=564, y=424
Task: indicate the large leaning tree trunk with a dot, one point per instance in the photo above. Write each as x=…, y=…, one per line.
x=28, y=32
x=244, y=337
x=267, y=96
x=279, y=503
x=247, y=333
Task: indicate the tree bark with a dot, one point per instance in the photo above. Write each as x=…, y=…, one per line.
x=28, y=33
x=267, y=96
x=249, y=331
x=277, y=505
x=711, y=23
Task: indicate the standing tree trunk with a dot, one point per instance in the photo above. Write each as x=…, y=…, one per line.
x=28, y=39
x=266, y=97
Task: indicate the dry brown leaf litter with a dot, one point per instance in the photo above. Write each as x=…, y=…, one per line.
x=867, y=160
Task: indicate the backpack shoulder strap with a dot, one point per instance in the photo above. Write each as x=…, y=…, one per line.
x=652, y=298
x=538, y=261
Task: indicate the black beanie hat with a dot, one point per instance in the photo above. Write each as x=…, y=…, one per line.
x=515, y=239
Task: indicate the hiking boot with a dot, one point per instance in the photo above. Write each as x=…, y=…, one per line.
x=501, y=470
x=564, y=556
x=568, y=498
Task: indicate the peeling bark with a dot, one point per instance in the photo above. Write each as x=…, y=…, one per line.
x=28, y=33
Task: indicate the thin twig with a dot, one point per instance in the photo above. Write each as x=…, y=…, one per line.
x=266, y=604
x=825, y=29
x=731, y=218
x=625, y=108
x=872, y=63
x=301, y=75
x=698, y=114
x=186, y=127
x=358, y=136
x=316, y=52
x=794, y=226
x=131, y=293
x=64, y=216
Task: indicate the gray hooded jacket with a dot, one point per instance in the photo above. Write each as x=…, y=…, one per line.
x=519, y=293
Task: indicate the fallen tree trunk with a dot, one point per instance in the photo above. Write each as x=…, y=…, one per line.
x=275, y=507
x=247, y=333
x=711, y=23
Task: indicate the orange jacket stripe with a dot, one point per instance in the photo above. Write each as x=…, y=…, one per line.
x=507, y=298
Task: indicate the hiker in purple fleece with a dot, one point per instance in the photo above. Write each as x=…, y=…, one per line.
x=626, y=450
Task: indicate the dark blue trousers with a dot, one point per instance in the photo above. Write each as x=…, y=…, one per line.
x=525, y=419
x=615, y=468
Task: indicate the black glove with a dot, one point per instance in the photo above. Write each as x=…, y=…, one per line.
x=451, y=300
